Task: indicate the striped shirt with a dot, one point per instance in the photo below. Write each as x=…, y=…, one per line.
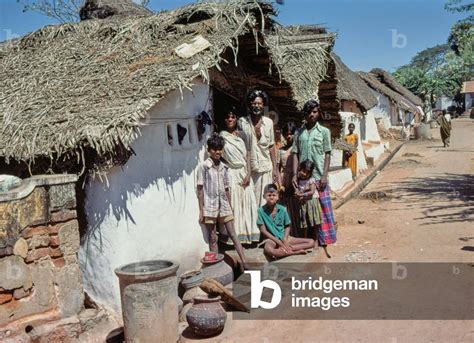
x=214, y=179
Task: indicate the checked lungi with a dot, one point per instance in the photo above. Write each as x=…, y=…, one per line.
x=327, y=231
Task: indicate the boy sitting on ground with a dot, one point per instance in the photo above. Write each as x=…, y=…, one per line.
x=274, y=224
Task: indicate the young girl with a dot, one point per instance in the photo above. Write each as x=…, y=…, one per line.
x=350, y=158
x=309, y=209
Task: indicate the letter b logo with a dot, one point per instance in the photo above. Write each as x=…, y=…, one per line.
x=257, y=286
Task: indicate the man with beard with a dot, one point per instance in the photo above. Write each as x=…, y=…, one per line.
x=257, y=133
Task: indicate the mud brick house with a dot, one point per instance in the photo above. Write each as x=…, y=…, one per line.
x=122, y=102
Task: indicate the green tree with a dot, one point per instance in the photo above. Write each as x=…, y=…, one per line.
x=461, y=37
x=441, y=70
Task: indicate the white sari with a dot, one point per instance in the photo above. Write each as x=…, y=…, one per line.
x=243, y=198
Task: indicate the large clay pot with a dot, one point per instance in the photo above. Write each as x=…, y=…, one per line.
x=422, y=131
x=149, y=292
x=218, y=270
x=206, y=317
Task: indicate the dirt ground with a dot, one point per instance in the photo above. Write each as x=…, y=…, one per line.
x=419, y=208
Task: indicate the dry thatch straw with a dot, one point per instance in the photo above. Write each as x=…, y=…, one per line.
x=100, y=9
x=386, y=78
x=351, y=87
x=343, y=145
x=301, y=54
x=393, y=96
x=88, y=84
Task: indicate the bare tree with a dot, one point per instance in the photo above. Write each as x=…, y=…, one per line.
x=62, y=10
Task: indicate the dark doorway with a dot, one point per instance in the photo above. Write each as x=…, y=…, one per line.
x=222, y=102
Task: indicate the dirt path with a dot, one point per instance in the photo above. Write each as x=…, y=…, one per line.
x=420, y=208
x=424, y=212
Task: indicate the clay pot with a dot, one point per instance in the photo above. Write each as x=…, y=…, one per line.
x=218, y=270
x=149, y=296
x=184, y=311
x=206, y=317
x=191, y=279
x=191, y=293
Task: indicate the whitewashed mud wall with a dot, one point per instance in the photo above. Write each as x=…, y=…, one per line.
x=148, y=208
x=382, y=111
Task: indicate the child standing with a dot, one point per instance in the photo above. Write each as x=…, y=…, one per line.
x=309, y=209
x=309, y=212
x=274, y=224
x=213, y=187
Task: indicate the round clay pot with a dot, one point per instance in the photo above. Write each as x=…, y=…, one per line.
x=184, y=311
x=191, y=293
x=206, y=317
x=218, y=270
x=191, y=279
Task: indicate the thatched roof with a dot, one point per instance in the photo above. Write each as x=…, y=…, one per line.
x=90, y=83
x=301, y=54
x=386, y=78
x=351, y=87
x=100, y=9
x=381, y=88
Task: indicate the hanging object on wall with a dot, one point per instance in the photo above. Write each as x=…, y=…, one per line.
x=202, y=120
x=181, y=133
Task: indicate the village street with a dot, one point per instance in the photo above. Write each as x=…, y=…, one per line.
x=426, y=216
x=428, y=212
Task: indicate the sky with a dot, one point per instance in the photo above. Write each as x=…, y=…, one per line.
x=371, y=33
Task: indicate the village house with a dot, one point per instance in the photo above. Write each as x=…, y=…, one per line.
x=354, y=98
x=127, y=104
x=468, y=91
x=394, y=110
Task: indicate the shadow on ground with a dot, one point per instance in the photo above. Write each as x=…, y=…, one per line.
x=445, y=198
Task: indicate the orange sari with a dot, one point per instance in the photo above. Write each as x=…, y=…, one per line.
x=351, y=162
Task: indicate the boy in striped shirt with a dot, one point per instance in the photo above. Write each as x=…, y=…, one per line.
x=213, y=187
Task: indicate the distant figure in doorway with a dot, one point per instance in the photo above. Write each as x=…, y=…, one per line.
x=259, y=138
x=444, y=122
x=350, y=157
x=285, y=166
x=213, y=188
x=274, y=224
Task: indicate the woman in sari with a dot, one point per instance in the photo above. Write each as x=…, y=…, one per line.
x=243, y=199
x=350, y=157
x=444, y=122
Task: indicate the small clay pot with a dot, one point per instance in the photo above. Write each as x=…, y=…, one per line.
x=184, y=311
x=191, y=293
x=191, y=279
x=219, y=271
x=206, y=317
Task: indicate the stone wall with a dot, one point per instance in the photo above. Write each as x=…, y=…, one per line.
x=40, y=279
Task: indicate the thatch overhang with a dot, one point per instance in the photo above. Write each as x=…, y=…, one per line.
x=301, y=54
x=351, y=87
x=386, y=78
x=396, y=98
x=280, y=64
x=89, y=84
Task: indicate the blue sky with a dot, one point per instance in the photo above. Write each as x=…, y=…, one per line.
x=371, y=33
